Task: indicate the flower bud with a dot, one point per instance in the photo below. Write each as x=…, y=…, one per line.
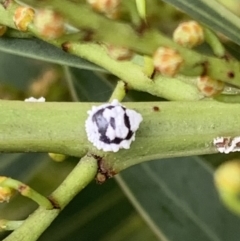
x=209, y=87
x=227, y=182
x=227, y=176
x=167, y=61
x=23, y=16
x=118, y=53
x=5, y=192
x=109, y=7
x=49, y=24
x=188, y=34
x=57, y=157
x=3, y=30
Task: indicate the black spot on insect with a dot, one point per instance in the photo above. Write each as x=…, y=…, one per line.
x=112, y=123
x=126, y=121
x=101, y=122
x=103, y=125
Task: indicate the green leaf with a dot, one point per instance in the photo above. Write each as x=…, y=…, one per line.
x=37, y=49
x=213, y=14
x=18, y=72
x=178, y=200
x=91, y=86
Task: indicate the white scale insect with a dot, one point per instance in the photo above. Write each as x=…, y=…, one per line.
x=112, y=126
x=227, y=144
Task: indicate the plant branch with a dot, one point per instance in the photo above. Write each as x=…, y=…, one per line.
x=37, y=222
x=168, y=129
x=9, y=224
x=82, y=17
x=26, y=191
x=169, y=88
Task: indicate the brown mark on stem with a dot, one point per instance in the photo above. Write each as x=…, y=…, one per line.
x=205, y=68
x=65, y=46
x=6, y=3
x=88, y=35
x=103, y=172
x=227, y=57
x=142, y=27
x=126, y=88
x=54, y=202
x=231, y=74
x=156, y=108
x=154, y=73
x=23, y=189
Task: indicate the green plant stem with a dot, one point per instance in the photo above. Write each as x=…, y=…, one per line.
x=119, y=91
x=214, y=42
x=78, y=179
x=228, y=98
x=168, y=129
x=27, y=192
x=9, y=224
x=132, y=74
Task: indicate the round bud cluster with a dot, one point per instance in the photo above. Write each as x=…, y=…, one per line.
x=227, y=182
x=108, y=7
x=188, y=34
x=5, y=192
x=23, y=16
x=227, y=176
x=3, y=30
x=167, y=61
x=112, y=126
x=119, y=53
x=209, y=87
x=49, y=24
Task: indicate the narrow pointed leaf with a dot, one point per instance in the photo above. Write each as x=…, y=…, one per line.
x=178, y=197
x=37, y=49
x=213, y=14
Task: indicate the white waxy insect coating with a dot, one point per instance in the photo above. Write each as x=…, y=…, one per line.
x=227, y=144
x=32, y=99
x=111, y=126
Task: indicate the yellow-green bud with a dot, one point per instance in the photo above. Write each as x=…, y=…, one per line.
x=23, y=16
x=57, y=157
x=188, y=34
x=49, y=24
x=109, y=7
x=5, y=192
x=3, y=30
x=227, y=182
x=209, y=87
x=167, y=61
x=119, y=53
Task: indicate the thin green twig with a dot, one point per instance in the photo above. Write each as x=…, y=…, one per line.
x=78, y=179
